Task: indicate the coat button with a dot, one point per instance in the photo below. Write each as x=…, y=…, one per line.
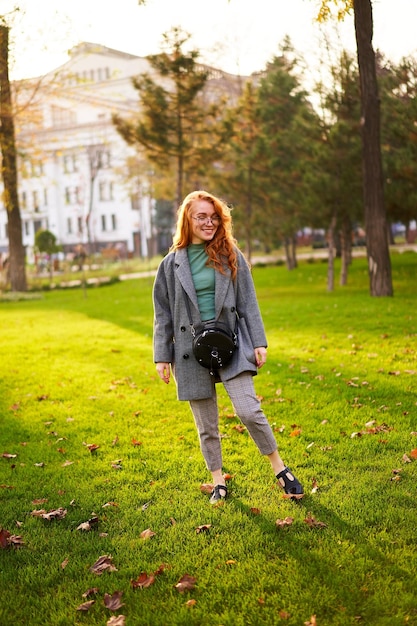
x=182, y=329
x=233, y=309
x=185, y=356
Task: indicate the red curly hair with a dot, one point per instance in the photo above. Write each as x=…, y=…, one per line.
x=221, y=249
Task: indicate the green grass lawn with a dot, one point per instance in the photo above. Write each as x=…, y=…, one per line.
x=340, y=390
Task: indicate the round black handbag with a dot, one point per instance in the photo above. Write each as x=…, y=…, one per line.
x=214, y=346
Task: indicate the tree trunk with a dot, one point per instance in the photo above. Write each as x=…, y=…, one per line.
x=332, y=253
x=346, y=249
x=379, y=263
x=9, y=171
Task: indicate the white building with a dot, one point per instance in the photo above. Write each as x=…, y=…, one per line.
x=73, y=177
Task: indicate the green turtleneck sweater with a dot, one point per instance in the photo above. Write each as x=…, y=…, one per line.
x=204, y=280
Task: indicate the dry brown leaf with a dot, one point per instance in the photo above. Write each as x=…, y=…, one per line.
x=284, y=614
x=413, y=453
x=91, y=446
x=406, y=459
x=147, y=534
x=143, y=581
x=64, y=563
x=7, y=539
x=103, y=564
x=186, y=583
x=90, y=592
x=117, y=620
x=255, y=511
x=206, y=488
x=203, y=528
x=67, y=463
x=311, y=521
x=113, y=602
x=295, y=433
x=314, y=486
x=312, y=622
x=135, y=442
x=85, y=606
x=191, y=603
x=51, y=515
x=281, y=523
x=40, y=501
x=6, y=455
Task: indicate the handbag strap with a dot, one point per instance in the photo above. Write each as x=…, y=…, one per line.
x=190, y=319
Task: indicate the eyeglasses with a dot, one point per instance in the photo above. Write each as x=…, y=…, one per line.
x=204, y=219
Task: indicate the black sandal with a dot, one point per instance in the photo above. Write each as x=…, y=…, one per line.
x=292, y=487
x=216, y=496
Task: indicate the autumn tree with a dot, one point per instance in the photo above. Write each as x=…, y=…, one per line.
x=175, y=127
x=9, y=170
x=379, y=262
x=399, y=139
x=289, y=130
x=338, y=183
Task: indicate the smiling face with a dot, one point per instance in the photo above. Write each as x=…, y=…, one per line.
x=204, y=221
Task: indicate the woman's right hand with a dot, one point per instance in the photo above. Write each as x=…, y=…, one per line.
x=164, y=371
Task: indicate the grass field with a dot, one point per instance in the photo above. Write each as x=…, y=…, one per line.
x=94, y=450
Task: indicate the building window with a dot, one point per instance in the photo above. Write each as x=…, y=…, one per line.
x=72, y=195
x=69, y=226
x=80, y=224
x=35, y=197
x=70, y=163
x=24, y=200
x=113, y=222
x=45, y=197
x=26, y=225
x=103, y=223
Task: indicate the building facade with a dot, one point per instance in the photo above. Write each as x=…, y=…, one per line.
x=73, y=177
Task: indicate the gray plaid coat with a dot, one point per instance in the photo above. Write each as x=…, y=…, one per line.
x=172, y=335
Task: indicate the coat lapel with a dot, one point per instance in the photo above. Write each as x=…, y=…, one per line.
x=183, y=272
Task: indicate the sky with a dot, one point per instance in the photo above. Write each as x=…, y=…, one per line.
x=237, y=36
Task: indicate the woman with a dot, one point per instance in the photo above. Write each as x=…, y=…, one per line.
x=206, y=266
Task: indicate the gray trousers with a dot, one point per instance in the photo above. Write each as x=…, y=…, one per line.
x=247, y=407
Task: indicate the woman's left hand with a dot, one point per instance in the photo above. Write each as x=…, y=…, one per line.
x=260, y=356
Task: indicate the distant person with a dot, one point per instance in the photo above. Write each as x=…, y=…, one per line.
x=205, y=265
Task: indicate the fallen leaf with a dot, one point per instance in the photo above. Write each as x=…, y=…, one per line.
x=287, y=521
x=311, y=521
x=143, y=581
x=113, y=602
x=255, y=511
x=312, y=622
x=406, y=459
x=64, y=563
x=315, y=486
x=231, y=562
x=91, y=446
x=50, y=515
x=90, y=592
x=117, y=620
x=206, y=488
x=109, y=504
x=147, y=534
x=186, y=583
x=135, y=442
x=191, y=603
x=89, y=524
x=103, y=564
x=295, y=433
x=85, y=606
x=6, y=455
x=239, y=427
x=67, y=463
x=413, y=453
x=40, y=501
x=203, y=528
x=284, y=614
x=41, y=464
